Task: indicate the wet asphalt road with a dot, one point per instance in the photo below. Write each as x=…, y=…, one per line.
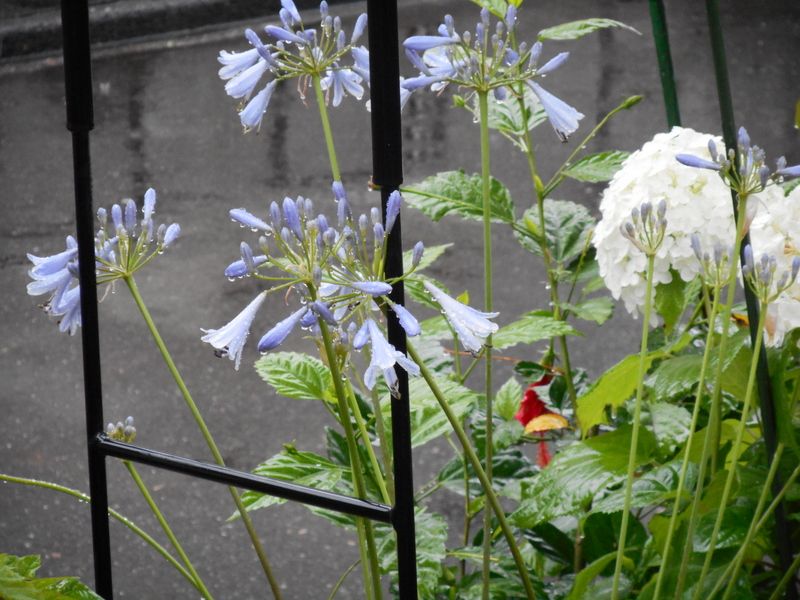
x=163, y=120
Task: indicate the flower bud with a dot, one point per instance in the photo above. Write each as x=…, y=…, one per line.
x=416, y=254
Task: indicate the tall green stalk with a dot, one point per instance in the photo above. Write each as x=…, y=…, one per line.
x=637, y=412
x=201, y=424
x=326, y=128
x=711, y=439
x=486, y=184
x=81, y=497
x=372, y=581
x=673, y=521
x=473, y=459
x=134, y=473
x=735, y=451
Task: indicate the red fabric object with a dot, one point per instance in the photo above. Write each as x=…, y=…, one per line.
x=532, y=405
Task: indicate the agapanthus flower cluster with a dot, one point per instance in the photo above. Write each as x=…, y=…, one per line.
x=122, y=432
x=761, y=275
x=122, y=247
x=744, y=170
x=296, y=52
x=715, y=266
x=647, y=227
x=335, y=269
x=488, y=60
x=698, y=202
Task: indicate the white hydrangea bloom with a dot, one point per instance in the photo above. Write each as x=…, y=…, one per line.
x=697, y=202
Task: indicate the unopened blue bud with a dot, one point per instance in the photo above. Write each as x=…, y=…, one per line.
x=130, y=215
x=500, y=93
x=329, y=237
x=358, y=29
x=378, y=232
x=247, y=257
x=323, y=9
x=449, y=24
x=479, y=31
x=322, y=310
x=286, y=236
x=763, y=175
x=102, y=217
x=292, y=217
x=743, y=139
x=322, y=223
x=172, y=233
x=375, y=215
x=363, y=223
x=795, y=267
x=485, y=16
x=696, y=246
x=536, y=52
x=748, y=257
x=392, y=209
x=275, y=215
x=511, y=16
x=341, y=41
x=712, y=149
x=416, y=254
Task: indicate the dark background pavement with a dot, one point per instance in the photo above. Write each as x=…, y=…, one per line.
x=163, y=120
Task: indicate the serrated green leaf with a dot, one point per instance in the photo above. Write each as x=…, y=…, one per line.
x=302, y=468
x=431, y=537
x=459, y=193
x=598, y=167
x=18, y=582
x=597, y=309
x=296, y=375
x=427, y=419
x=507, y=399
x=530, y=371
x=654, y=487
x=735, y=523
x=577, y=29
x=532, y=327
x=670, y=424
x=430, y=256
x=613, y=388
x=579, y=473
x=567, y=226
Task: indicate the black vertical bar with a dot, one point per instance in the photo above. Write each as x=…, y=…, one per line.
x=80, y=121
x=782, y=529
x=658, y=19
x=387, y=172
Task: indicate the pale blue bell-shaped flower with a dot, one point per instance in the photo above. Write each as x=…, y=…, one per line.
x=234, y=63
x=243, y=84
x=252, y=114
x=383, y=359
x=563, y=117
x=342, y=80
x=231, y=337
x=275, y=336
x=472, y=326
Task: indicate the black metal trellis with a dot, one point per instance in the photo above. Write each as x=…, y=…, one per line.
x=387, y=173
x=783, y=531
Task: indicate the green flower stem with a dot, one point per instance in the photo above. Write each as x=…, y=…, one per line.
x=469, y=453
x=386, y=453
x=370, y=561
x=373, y=460
x=711, y=439
x=736, y=450
x=166, y=528
x=326, y=128
x=637, y=412
x=673, y=521
x=112, y=513
x=341, y=579
x=547, y=257
x=787, y=577
x=212, y=445
x=733, y=569
x=487, y=306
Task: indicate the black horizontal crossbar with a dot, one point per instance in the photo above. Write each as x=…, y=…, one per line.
x=248, y=481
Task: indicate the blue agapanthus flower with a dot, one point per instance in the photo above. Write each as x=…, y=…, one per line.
x=472, y=326
x=295, y=52
x=122, y=247
x=383, y=358
x=488, y=60
x=337, y=272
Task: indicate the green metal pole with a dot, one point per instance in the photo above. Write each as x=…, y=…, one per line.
x=661, y=38
x=782, y=529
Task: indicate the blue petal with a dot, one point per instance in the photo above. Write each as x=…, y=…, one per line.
x=695, y=161
x=407, y=320
x=553, y=64
x=231, y=337
x=373, y=288
x=563, y=117
x=392, y=209
x=420, y=43
x=275, y=336
x=242, y=216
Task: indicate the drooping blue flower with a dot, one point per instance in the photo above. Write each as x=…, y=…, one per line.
x=234, y=63
x=373, y=288
x=553, y=64
x=243, y=84
x=252, y=114
x=383, y=359
x=407, y=321
x=563, y=117
x=472, y=326
x=246, y=219
x=230, y=338
x=275, y=336
x=691, y=160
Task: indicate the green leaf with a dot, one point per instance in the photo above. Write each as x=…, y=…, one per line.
x=577, y=29
x=296, y=375
x=496, y=7
x=18, y=582
x=654, y=487
x=669, y=423
x=302, y=468
x=587, y=575
x=567, y=225
x=579, y=473
x=672, y=299
x=431, y=537
x=431, y=255
x=613, y=388
x=532, y=327
x=530, y=371
x=597, y=309
x=507, y=399
x=428, y=421
x=601, y=536
x=595, y=168
x=735, y=523
x=459, y=193
x=791, y=185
